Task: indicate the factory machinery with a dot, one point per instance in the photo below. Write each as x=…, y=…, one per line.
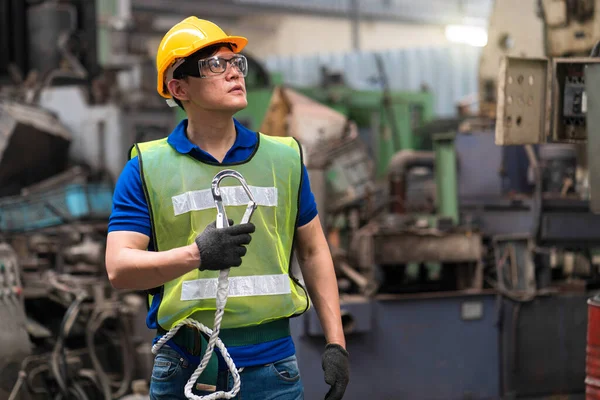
x=464, y=266
x=66, y=125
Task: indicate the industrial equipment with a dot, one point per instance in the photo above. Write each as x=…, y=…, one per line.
x=451, y=219
x=386, y=120
x=66, y=332
x=547, y=94
x=71, y=330
x=546, y=99
x=463, y=266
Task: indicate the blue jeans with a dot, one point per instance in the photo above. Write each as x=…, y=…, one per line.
x=279, y=380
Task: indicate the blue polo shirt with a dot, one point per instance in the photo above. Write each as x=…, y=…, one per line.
x=130, y=213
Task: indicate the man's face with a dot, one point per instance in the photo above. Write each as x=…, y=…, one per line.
x=217, y=92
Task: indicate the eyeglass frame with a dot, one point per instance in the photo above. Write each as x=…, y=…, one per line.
x=185, y=68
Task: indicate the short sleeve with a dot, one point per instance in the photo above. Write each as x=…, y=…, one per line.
x=130, y=209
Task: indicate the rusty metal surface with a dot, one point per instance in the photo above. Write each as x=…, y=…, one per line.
x=405, y=247
x=398, y=169
x=571, y=27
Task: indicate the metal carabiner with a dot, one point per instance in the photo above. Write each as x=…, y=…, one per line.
x=222, y=220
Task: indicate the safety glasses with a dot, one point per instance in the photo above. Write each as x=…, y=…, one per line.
x=216, y=65
x=211, y=67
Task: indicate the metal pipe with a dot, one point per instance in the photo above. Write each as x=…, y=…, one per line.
x=446, y=175
x=398, y=167
x=353, y=275
x=355, y=10
x=124, y=10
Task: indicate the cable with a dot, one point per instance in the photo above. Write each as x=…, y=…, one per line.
x=17, y=388
x=96, y=320
x=128, y=366
x=79, y=391
x=76, y=391
x=44, y=361
x=32, y=375
x=59, y=369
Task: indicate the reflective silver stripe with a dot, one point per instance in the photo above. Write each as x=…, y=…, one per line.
x=232, y=196
x=257, y=285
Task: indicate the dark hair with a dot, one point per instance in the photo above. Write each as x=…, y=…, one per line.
x=191, y=61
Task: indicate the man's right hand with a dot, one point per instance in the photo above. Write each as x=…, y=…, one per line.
x=223, y=248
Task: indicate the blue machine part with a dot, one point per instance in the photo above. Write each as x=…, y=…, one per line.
x=479, y=163
x=56, y=206
x=437, y=348
x=516, y=170
x=486, y=170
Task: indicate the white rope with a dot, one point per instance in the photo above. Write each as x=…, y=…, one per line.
x=221, y=300
x=222, y=290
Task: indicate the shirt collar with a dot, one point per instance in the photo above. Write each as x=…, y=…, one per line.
x=178, y=139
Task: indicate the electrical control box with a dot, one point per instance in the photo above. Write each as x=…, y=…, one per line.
x=574, y=101
x=521, y=116
x=542, y=100
x=570, y=99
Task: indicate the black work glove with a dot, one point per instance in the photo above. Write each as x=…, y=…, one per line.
x=337, y=370
x=223, y=248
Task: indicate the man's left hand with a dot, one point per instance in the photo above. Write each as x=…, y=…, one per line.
x=337, y=370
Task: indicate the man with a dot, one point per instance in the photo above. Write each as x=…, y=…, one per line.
x=162, y=236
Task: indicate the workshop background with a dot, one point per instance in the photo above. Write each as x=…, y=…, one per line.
x=450, y=148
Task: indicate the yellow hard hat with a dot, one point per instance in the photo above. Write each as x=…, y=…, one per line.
x=185, y=38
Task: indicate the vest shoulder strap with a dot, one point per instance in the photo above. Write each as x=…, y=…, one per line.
x=144, y=146
x=288, y=141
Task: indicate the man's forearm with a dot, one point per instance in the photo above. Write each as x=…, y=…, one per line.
x=141, y=270
x=321, y=282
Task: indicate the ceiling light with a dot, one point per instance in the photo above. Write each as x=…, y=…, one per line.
x=471, y=35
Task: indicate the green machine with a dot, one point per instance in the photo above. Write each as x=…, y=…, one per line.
x=386, y=123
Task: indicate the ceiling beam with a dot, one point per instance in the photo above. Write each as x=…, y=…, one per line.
x=241, y=8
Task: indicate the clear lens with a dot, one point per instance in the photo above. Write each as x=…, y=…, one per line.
x=215, y=66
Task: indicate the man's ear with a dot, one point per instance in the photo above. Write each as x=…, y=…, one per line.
x=178, y=89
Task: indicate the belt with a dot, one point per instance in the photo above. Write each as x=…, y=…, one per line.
x=189, y=338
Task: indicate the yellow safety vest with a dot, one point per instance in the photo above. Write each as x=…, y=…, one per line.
x=177, y=189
